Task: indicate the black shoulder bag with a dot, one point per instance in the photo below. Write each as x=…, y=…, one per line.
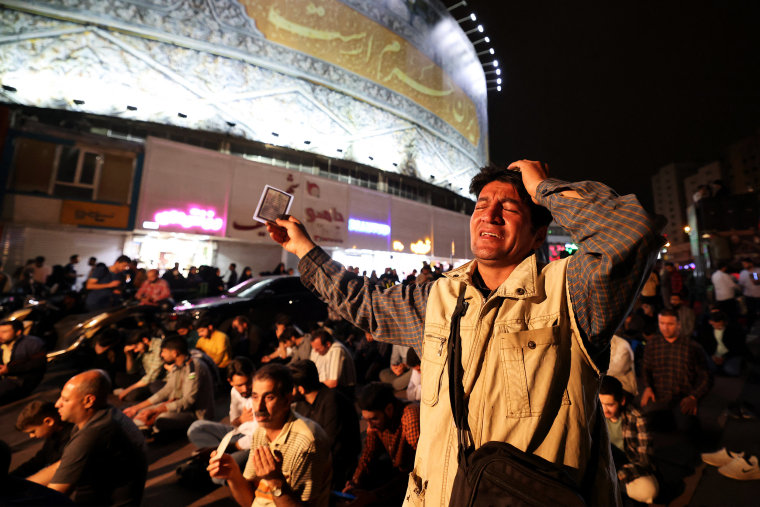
x=497, y=473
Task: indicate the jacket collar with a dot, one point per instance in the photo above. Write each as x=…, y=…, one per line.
x=520, y=284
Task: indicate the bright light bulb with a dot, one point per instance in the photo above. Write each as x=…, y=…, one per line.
x=480, y=29
x=473, y=17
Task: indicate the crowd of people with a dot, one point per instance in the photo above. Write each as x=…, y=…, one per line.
x=537, y=338
x=166, y=379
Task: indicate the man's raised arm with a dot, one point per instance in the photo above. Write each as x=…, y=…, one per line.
x=396, y=314
x=617, y=244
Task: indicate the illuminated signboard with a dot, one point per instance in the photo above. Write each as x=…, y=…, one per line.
x=194, y=218
x=365, y=227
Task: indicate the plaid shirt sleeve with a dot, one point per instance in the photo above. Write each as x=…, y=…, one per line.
x=395, y=314
x=617, y=245
x=410, y=425
x=638, y=447
x=372, y=447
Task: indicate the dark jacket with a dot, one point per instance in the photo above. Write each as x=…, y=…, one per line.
x=28, y=361
x=733, y=338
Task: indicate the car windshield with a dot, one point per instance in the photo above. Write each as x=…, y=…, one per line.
x=250, y=288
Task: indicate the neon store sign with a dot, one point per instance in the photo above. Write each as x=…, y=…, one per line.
x=366, y=227
x=195, y=218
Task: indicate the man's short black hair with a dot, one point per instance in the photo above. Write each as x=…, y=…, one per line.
x=17, y=325
x=35, y=413
x=206, y=322
x=667, y=312
x=717, y=316
x=184, y=321
x=233, y=265
x=539, y=216
x=280, y=376
x=176, y=343
x=376, y=396
x=288, y=333
x=137, y=336
x=240, y=366
x=412, y=359
x=305, y=374
x=282, y=318
x=323, y=334
x=123, y=258
x=611, y=385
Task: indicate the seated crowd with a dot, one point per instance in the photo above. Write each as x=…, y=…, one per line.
x=292, y=432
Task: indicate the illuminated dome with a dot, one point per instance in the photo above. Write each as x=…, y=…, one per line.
x=390, y=84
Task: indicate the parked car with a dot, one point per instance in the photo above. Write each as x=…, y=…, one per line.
x=76, y=332
x=260, y=299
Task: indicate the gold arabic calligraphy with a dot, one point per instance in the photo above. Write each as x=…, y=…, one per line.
x=333, y=32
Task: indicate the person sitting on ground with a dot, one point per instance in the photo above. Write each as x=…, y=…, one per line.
x=153, y=290
x=289, y=463
x=22, y=361
x=393, y=428
x=414, y=389
x=17, y=491
x=334, y=412
x=109, y=353
x=104, y=462
x=184, y=328
x=213, y=342
x=631, y=442
x=725, y=344
x=244, y=338
x=398, y=374
x=41, y=420
x=285, y=348
x=209, y=434
x=301, y=346
x=334, y=362
x=145, y=368
x=188, y=394
x=675, y=377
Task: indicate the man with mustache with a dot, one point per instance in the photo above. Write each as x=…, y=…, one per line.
x=535, y=337
x=290, y=461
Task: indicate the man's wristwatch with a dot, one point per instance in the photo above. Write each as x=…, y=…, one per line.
x=277, y=492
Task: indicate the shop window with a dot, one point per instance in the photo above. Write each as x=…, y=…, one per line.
x=77, y=174
x=33, y=164
x=72, y=172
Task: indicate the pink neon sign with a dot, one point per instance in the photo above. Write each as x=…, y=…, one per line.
x=196, y=217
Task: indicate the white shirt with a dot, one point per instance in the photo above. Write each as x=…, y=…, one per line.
x=337, y=364
x=724, y=286
x=414, y=389
x=237, y=405
x=747, y=282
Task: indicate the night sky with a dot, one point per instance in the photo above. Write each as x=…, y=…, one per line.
x=613, y=91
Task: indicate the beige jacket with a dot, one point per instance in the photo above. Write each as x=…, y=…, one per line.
x=529, y=379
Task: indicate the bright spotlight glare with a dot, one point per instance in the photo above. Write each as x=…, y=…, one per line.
x=480, y=29
x=473, y=17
